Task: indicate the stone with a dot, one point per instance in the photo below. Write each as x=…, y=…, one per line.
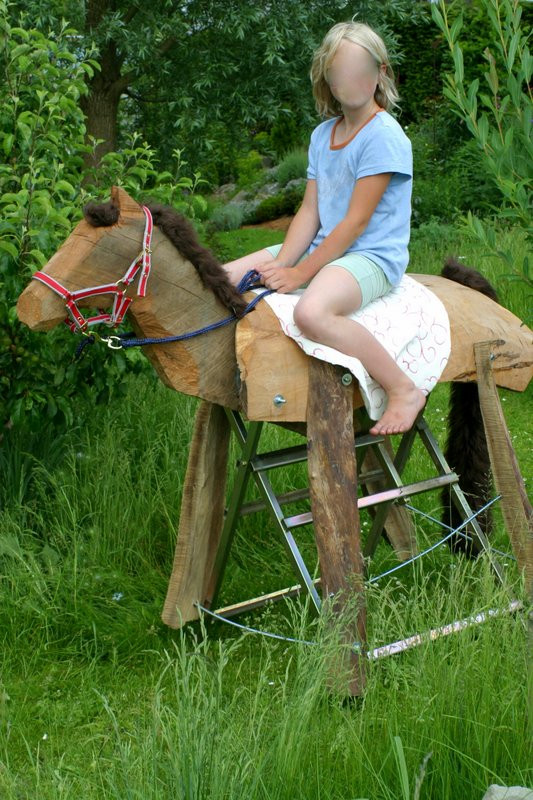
x=296, y=183
x=224, y=190
x=495, y=792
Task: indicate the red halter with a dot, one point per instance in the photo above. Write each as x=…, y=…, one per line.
x=121, y=302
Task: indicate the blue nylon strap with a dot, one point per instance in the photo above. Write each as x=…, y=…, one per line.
x=247, y=283
x=123, y=341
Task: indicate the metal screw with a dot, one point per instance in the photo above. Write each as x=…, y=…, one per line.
x=347, y=378
x=279, y=400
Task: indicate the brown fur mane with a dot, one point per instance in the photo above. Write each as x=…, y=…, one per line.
x=183, y=236
x=466, y=446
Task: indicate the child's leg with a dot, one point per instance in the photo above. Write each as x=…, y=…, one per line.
x=238, y=268
x=321, y=315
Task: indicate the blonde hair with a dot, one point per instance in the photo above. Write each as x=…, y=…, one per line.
x=385, y=95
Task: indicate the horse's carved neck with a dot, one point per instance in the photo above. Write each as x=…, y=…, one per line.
x=177, y=302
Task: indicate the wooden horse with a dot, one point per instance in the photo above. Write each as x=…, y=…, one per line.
x=246, y=368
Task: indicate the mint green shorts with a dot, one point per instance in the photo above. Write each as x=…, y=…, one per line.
x=371, y=279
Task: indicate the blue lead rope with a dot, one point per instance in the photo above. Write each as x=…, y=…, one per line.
x=249, y=281
x=122, y=341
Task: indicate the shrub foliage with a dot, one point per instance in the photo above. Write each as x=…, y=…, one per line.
x=43, y=186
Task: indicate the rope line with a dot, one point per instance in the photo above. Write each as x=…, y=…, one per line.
x=460, y=533
x=356, y=646
x=453, y=532
x=248, y=629
x=123, y=341
x=249, y=281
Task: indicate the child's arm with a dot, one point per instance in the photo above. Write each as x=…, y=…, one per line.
x=366, y=195
x=301, y=232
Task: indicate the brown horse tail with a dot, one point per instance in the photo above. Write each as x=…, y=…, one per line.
x=466, y=447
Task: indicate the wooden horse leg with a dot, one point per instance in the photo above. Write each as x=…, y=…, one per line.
x=201, y=518
x=333, y=489
x=516, y=508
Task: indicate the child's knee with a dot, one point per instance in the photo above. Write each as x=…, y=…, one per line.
x=307, y=318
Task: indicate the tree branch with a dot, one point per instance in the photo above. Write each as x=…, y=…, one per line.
x=131, y=13
x=140, y=99
x=165, y=46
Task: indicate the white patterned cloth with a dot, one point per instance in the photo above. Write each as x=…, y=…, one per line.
x=409, y=321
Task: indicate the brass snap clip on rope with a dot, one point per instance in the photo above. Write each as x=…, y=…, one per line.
x=113, y=342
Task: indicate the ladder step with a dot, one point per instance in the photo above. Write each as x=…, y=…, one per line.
x=386, y=496
x=294, y=455
x=283, y=499
x=279, y=458
x=301, y=494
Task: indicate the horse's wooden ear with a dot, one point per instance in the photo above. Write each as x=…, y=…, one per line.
x=126, y=204
x=101, y=215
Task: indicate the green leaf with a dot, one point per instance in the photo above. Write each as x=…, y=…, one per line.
x=401, y=764
x=9, y=138
x=483, y=129
x=65, y=186
x=455, y=29
x=39, y=257
x=9, y=248
x=459, y=65
x=19, y=50
x=513, y=46
x=438, y=18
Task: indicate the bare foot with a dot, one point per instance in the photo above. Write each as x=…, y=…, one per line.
x=403, y=408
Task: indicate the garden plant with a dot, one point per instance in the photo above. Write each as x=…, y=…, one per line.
x=98, y=699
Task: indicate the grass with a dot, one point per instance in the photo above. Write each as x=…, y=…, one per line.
x=99, y=699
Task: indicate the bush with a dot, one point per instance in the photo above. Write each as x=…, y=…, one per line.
x=292, y=167
x=43, y=187
x=286, y=134
x=228, y=217
x=497, y=111
x=280, y=205
x=249, y=170
x=449, y=177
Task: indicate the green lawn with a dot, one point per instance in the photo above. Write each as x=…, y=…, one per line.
x=98, y=699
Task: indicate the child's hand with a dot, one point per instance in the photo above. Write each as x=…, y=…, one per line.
x=282, y=279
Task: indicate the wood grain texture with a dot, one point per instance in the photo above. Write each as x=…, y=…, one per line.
x=176, y=302
x=333, y=490
x=201, y=519
x=271, y=364
x=515, y=505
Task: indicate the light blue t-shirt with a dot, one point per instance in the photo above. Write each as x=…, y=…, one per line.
x=380, y=146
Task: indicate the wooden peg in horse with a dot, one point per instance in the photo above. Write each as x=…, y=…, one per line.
x=243, y=370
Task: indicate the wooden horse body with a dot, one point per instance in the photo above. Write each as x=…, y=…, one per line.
x=245, y=370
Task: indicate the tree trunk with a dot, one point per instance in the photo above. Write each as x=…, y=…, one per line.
x=100, y=106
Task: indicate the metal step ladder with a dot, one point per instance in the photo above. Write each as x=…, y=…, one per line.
x=256, y=466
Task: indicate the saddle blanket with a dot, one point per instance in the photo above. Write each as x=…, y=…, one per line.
x=409, y=321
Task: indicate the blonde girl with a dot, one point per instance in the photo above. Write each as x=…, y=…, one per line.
x=347, y=244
